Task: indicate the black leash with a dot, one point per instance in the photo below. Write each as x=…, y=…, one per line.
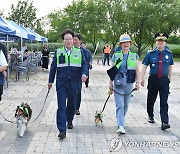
x=106, y=102
x=124, y=94
x=118, y=94
x=35, y=118
x=7, y=119
x=42, y=107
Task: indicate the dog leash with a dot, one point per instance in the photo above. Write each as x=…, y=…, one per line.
x=35, y=118
x=110, y=93
x=42, y=107
x=7, y=119
x=124, y=94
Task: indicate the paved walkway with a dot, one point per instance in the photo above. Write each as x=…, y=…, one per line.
x=41, y=136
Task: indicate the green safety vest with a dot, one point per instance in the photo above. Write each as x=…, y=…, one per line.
x=131, y=61
x=74, y=59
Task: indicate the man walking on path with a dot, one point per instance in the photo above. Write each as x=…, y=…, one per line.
x=77, y=42
x=70, y=68
x=160, y=60
x=89, y=61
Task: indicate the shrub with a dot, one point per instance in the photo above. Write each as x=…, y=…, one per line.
x=176, y=52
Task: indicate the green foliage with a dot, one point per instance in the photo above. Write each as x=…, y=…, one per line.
x=174, y=39
x=106, y=20
x=176, y=52
x=39, y=28
x=24, y=13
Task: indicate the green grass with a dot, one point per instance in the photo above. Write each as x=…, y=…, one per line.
x=173, y=46
x=176, y=59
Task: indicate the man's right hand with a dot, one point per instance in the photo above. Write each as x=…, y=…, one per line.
x=111, y=86
x=49, y=85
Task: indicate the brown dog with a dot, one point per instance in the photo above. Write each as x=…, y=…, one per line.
x=23, y=115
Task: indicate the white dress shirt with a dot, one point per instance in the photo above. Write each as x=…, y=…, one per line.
x=3, y=61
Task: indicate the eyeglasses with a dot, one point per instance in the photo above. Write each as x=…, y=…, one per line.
x=68, y=39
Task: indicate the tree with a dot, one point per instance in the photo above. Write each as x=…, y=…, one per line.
x=115, y=23
x=79, y=18
x=147, y=17
x=106, y=20
x=39, y=27
x=141, y=22
x=24, y=13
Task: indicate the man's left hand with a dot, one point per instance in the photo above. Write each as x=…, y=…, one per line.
x=83, y=78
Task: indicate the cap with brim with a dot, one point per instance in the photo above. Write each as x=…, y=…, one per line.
x=125, y=40
x=161, y=38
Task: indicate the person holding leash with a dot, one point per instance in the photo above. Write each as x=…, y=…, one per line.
x=160, y=60
x=127, y=65
x=70, y=68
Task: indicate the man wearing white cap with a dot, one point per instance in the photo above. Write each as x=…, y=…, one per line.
x=128, y=72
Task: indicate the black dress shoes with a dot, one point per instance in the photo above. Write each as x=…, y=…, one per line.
x=165, y=126
x=151, y=120
x=70, y=125
x=77, y=112
x=62, y=135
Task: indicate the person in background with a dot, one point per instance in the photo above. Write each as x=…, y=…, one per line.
x=106, y=52
x=70, y=68
x=13, y=50
x=45, y=57
x=128, y=72
x=24, y=47
x=26, y=55
x=89, y=61
x=77, y=42
x=160, y=60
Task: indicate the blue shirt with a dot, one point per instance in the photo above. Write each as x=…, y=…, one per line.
x=152, y=59
x=117, y=49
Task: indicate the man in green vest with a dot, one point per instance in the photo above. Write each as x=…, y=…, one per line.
x=70, y=68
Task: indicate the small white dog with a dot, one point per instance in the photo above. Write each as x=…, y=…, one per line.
x=23, y=115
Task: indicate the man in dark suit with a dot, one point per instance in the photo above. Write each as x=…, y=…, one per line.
x=70, y=68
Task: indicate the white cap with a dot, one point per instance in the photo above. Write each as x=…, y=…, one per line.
x=124, y=38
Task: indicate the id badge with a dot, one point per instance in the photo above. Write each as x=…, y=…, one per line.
x=61, y=59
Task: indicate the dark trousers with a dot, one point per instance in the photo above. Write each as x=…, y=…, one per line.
x=1, y=91
x=65, y=113
x=160, y=85
x=106, y=56
x=87, y=82
x=45, y=62
x=78, y=100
